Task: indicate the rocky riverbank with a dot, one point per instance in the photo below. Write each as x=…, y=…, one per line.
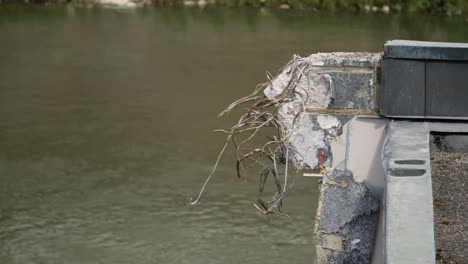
x=449, y=180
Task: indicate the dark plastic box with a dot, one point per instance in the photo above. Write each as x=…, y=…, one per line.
x=424, y=80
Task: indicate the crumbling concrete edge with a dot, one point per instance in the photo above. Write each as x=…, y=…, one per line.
x=346, y=220
x=334, y=88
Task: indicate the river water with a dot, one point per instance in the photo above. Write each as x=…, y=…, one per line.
x=106, y=120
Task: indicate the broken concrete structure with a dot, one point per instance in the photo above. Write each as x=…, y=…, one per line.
x=376, y=197
x=320, y=120
x=338, y=83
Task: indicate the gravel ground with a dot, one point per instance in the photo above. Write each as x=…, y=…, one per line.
x=449, y=182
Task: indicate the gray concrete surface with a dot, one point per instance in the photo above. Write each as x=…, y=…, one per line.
x=409, y=230
x=409, y=217
x=347, y=220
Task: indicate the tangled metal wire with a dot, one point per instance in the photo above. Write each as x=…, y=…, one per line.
x=263, y=113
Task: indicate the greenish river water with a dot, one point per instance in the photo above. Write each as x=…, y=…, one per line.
x=106, y=120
